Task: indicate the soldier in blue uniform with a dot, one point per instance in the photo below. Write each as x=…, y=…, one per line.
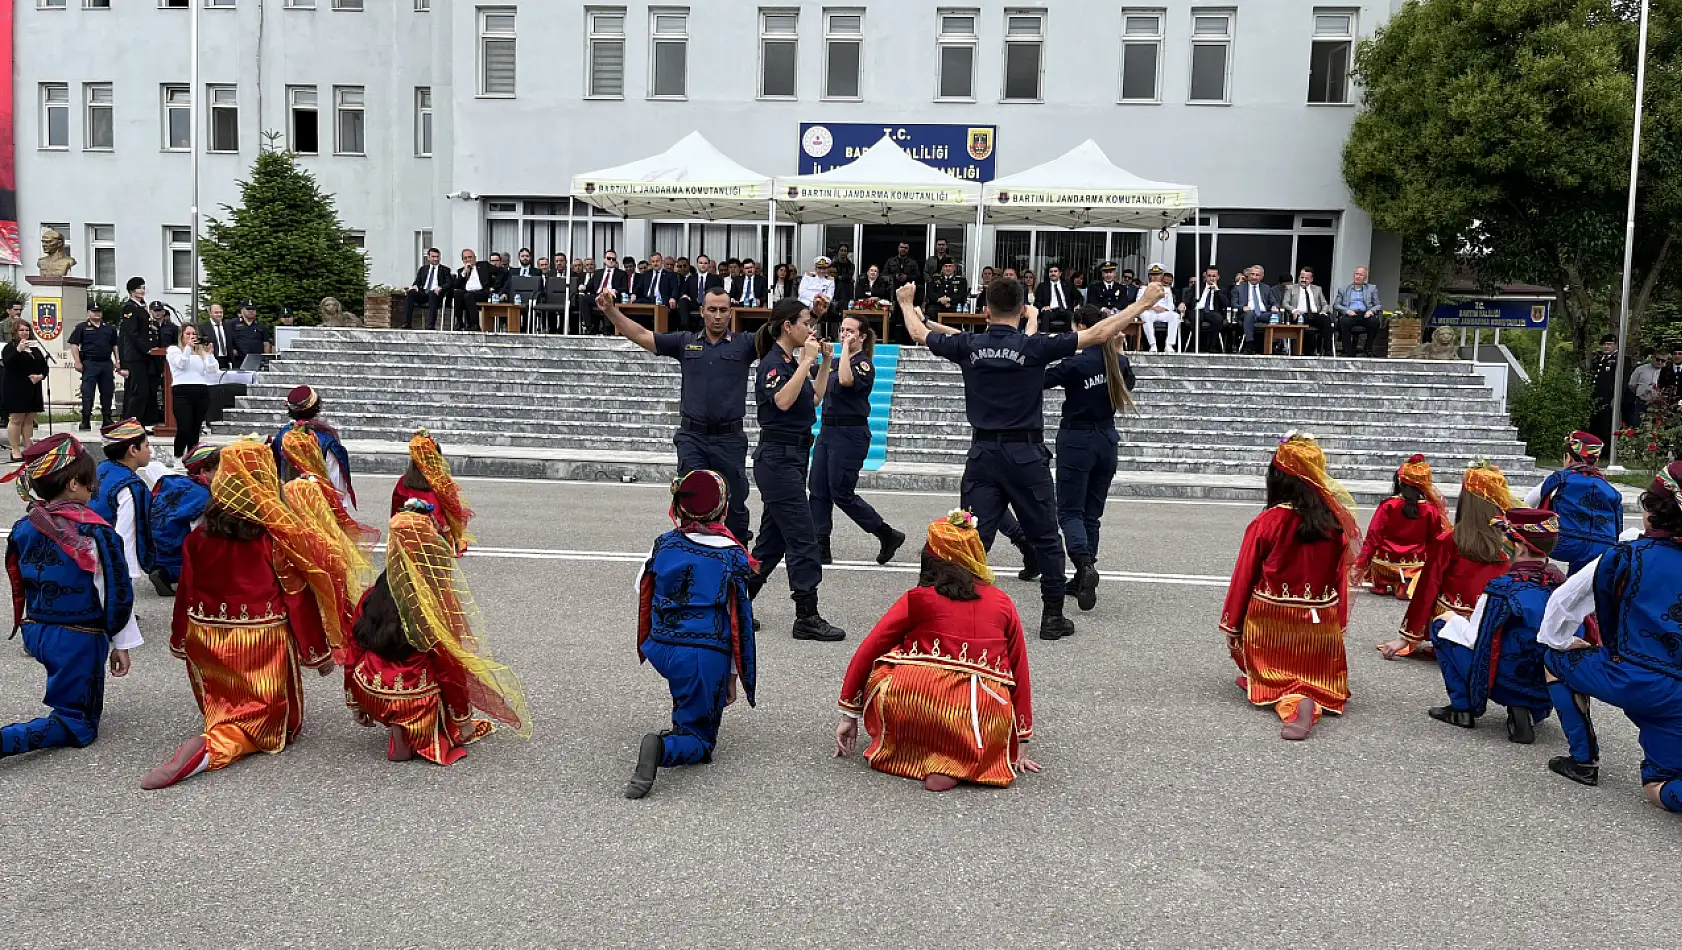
x=715, y=363
x=1591, y=510
x=1638, y=665
x=1096, y=383
x=71, y=593
x=844, y=441
x=793, y=375
x=1004, y=383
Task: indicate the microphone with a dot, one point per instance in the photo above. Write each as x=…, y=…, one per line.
x=38, y=348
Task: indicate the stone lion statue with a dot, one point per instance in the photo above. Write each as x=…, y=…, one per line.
x=55, y=258
x=332, y=312
x=1442, y=346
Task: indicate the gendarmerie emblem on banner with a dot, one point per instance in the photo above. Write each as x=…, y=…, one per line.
x=980, y=144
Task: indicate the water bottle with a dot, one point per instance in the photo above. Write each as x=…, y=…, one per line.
x=516, y=300
x=1273, y=318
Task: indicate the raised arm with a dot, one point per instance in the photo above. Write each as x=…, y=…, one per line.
x=1111, y=326
x=914, y=323
x=607, y=301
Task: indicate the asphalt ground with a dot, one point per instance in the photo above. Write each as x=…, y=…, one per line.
x=1170, y=814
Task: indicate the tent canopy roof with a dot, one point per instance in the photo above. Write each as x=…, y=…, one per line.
x=1083, y=189
x=692, y=179
x=882, y=186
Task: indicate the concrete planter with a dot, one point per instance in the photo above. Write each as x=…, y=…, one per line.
x=1405, y=336
x=379, y=311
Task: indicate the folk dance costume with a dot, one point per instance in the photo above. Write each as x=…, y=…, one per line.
x=304, y=458
x=123, y=499
x=262, y=593
x=1452, y=579
x=428, y=480
x=941, y=683
x=417, y=662
x=303, y=404
x=694, y=625
x=1288, y=604
x=1591, y=510
x=71, y=596
x=1394, y=551
x=1494, y=656
x=311, y=499
x=1638, y=664
x=178, y=505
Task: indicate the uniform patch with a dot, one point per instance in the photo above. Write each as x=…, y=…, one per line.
x=864, y=367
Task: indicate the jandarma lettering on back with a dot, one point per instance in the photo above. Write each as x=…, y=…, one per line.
x=996, y=353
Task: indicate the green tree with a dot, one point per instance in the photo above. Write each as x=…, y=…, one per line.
x=283, y=246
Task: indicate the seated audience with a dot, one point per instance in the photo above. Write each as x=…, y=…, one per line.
x=1357, y=306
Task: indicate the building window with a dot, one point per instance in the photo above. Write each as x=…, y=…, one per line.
x=220, y=4
x=1211, y=56
x=224, y=118
x=843, y=52
x=178, y=118
x=359, y=240
x=103, y=239
x=668, y=54
x=1024, y=54
x=50, y=4
x=779, y=41
x=353, y=5
x=300, y=4
x=956, y=50
x=99, y=133
x=303, y=120
x=606, y=54
x=423, y=243
x=55, y=115
x=178, y=259
x=496, y=51
x=86, y=4
x=423, y=121
x=423, y=6
x=349, y=121
x=1328, y=59
x=173, y=4
x=1141, y=55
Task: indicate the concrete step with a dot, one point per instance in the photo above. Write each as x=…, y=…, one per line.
x=1276, y=418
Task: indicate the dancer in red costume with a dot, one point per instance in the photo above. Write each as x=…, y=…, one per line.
x=428, y=479
x=1394, y=551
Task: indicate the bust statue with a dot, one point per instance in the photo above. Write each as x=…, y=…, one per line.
x=1441, y=347
x=332, y=312
x=55, y=259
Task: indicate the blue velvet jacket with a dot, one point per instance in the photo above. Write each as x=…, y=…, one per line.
x=48, y=587
x=1591, y=514
x=1512, y=614
x=1638, y=599
x=696, y=595
x=177, y=502
x=114, y=479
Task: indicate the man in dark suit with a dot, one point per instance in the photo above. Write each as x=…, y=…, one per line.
x=1207, y=303
x=750, y=289
x=524, y=269
x=135, y=338
x=1056, y=299
x=608, y=277
x=1256, y=301
x=474, y=284
x=431, y=287
x=931, y=267
x=499, y=271
x=655, y=285
x=213, y=330
x=693, y=287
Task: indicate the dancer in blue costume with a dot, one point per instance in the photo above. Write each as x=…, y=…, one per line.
x=1494, y=656
x=1637, y=666
x=123, y=499
x=303, y=404
x=178, y=503
x=695, y=625
x=70, y=594
x=1590, y=508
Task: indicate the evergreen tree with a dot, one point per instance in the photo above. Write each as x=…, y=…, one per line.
x=282, y=247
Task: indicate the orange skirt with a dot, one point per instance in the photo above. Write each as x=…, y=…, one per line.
x=247, y=683
x=1285, y=652
x=1394, y=577
x=929, y=720
x=432, y=734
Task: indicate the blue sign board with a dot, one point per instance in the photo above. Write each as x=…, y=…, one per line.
x=1493, y=314
x=965, y=151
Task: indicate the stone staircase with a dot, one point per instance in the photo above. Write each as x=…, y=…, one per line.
x=594, y=408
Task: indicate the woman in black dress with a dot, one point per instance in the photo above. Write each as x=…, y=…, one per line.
x=20, y=395
x=873, y=286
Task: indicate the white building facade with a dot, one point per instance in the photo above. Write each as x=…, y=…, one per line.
x=460, y=124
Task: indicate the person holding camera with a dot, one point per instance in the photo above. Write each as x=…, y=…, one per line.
x=192, y=363
x=26, y=367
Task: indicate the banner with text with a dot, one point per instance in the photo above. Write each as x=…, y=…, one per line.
x=963, y=151
x=1493, y=314
x=11, y=250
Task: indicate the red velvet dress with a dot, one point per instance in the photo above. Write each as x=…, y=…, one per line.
x=942, y=686
x=244, y=622
x=1285, y=615
x=403, y=493
x=421, y=695
x=1394, y=551
x=1449, y=583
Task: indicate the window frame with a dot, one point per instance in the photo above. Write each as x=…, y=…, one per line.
x=344, y=6
x=1158, y=39
x=1224, y=40
x=1349, y=38
x=292, y=110
x=96, y=245
x=88, y=107
x=167, y=106
x=1006, y=44
x=944, y=41
x=173, y=247
x=766, y=38
x=487, y=36
x=341, y=110
x=593, y=36
x=424, y=141
x=831, y=37
x=47, y=105
x=655, y=40
x=211, y=107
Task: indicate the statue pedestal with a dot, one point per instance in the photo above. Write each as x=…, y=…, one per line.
x=57, y=306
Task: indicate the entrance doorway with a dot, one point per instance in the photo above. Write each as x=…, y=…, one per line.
x=879, y=242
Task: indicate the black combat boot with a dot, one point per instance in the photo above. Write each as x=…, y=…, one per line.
x=1084, y=587
x=1053, y=625
x=1030, y=561
x=1578, y=772
x=891, y=540
x=809, y=626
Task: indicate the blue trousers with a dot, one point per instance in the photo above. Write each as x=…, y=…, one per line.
x=1018, y=475
x=75, y=663
x=1578, y=553
x=699, y=679
x=779, y=472
x=728, y=456
x=1518, y=678
x=836, y=462
x=1651, y=700
x=1086, y=464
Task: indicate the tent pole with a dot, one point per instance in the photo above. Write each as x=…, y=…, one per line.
x=1196, y=276
x=566, y=305
x=771, y=238
x=975, y=245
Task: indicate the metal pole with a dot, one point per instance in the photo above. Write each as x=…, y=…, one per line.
x=195, y=91
x=566, y=304
x=1196, y=278
x=1542, y=357
x=1629, y=234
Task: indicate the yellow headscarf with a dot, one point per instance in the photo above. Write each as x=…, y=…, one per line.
x=1417, y=472
x=308, y=498
x=424, y=452
x=1301, y=457
x=954, y=538
x=1486, y=480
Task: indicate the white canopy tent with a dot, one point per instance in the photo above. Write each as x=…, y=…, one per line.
x=692, y=179
x=882, y=186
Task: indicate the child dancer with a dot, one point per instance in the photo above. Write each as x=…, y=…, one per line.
x=1458, y=563
x=1494, y=655
x=311, y=499
x=1591, y=510
x=261, y=594
x=303, y=404
x=1403, y=525
x=178, y=504
x=417, y=662
x=695, y=625
x=1288, y=605
x=71, y=595
x=428, y=480
x=302, y=450
x=123, y=499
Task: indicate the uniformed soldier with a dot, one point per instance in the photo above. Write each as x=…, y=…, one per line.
x=1096, y=383
x=1004, y=382
x=947, y=290
x=715, y=364
x=790, y=356
x=843, y=443
x=1109, y=293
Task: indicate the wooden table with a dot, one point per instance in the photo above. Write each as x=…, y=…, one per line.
x=488, y=312
x=1288, y=331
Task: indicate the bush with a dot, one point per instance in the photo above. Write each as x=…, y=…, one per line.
x=110, y=306
x=10, y=293
x=1552, y=407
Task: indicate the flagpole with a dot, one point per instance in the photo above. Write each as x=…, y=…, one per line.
x=195, y=91
x=1629, y=235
